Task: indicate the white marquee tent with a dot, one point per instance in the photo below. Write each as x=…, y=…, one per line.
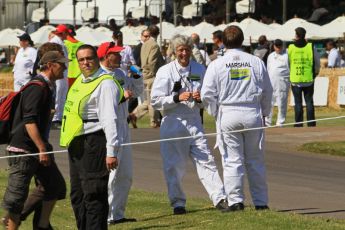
x=41, y=35
x=334, y=29
x=63, y=12
x=168, y=30
x=8, y=37
x=203, y=29
x=90, y=36
x=287, y=31
x=252, y=29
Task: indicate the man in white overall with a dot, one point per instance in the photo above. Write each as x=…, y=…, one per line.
x=237, y=91
x=120, y=180
x=176, y=93
x=279, y=72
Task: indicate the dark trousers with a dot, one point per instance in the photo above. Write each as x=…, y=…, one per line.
x=22, y=169
x=89, y=181
x=308, y=93
x=132, y=104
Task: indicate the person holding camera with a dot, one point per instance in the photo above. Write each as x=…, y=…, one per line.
x=176, y=93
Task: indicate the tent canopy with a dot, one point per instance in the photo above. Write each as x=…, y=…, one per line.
x=8, y=37
x=287, y=31
x=41, y=35
x=63, y=12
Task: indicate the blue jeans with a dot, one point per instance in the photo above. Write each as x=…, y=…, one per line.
x=308, y=93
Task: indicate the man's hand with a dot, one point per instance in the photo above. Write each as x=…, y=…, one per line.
x=196, y=96
x=111, y=163
x=128, y=94
x=184, y=96
x=44, y=159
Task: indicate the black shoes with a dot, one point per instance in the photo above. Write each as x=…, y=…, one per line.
x=222, y=205
x=180, y=211
x=261, y=207
x=234, y=208
x=123, y=220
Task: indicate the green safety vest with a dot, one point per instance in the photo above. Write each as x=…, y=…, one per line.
x=78, y=94
x=73, y=66
x=301, y=63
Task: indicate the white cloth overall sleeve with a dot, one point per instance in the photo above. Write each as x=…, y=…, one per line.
x=108, y=104
x=209, y=90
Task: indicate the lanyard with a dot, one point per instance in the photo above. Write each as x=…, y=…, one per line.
x=188, y=77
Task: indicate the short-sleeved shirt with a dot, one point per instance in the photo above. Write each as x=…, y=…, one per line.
x=34, y=107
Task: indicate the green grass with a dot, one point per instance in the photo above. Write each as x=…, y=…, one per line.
x=153, y=212
x=320, y=112
x=6, y=69
x=336, y=148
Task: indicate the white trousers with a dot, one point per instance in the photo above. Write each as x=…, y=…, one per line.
x=60, y=98
x=176, y=153
x=281, y=88
x=120, y=180
x=242, y=152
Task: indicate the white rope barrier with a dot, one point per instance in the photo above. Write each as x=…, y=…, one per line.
x=234, y=131
x=187, y=137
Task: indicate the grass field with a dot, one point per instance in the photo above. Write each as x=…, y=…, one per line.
x=320, y=112
x=153, y=212
x=331, y=148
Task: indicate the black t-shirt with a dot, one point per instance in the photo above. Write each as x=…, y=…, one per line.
x=34, y=107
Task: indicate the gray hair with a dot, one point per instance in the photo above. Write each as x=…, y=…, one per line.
x=180, y=40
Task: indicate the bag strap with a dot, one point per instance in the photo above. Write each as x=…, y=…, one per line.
x=30, y=83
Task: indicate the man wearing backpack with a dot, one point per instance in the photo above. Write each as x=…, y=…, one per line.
x=30, y=131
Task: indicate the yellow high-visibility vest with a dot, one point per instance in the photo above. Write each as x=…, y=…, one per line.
x=301, y=63
x=79, y=93
x=73, y=66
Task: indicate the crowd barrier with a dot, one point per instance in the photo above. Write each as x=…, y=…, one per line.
x=329, y=88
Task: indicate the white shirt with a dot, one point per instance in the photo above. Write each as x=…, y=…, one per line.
x=236, y=79
x=162, y=90
x=278, y=64
x=127, y=83
x=24, y=63
x=103, y=104
x=127, y=58
x=334, y=58
x=205, y=56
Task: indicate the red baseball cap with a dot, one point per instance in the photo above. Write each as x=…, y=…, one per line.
x=61, y=28
x=108, y=47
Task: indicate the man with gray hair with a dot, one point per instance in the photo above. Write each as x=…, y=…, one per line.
x=237, y=91
x=176, y=93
